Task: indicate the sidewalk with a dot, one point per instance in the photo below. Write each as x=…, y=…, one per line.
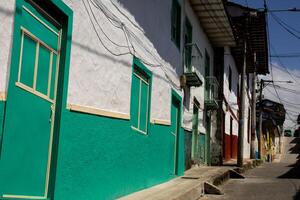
x=190, y=186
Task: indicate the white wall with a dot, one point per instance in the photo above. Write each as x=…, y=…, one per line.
x=101, y=80
x=7, y=8
x=246, y=116
x=248, y=104
x=105, y=80
x=200, y=38
x=230, y=96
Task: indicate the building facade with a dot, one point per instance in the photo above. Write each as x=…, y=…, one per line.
x=92, y=96
x=99, y=99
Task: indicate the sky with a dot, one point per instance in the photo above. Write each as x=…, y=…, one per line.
x=282, y=42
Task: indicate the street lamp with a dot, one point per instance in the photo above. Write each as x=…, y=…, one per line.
x=263, y=84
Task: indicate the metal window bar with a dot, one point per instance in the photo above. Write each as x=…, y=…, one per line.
x=192, y=57
x=212, y=86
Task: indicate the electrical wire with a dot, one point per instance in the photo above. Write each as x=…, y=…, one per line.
x=122, y=13
x=129, y=36
x=103, y=32
x=288, y=90
x=287, y=102
x=291, y=55
x=277, y=19
x=98, y=36
x=281, y=64
x=285, y=25
x=285, y=70
x=272, y=76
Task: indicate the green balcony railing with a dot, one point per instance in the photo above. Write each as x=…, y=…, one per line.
x=211, y=92
x=192, y=63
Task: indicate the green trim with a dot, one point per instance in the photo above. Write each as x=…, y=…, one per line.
x=180, y=158
x=176, y=23
x=195, y=124
x=137, y=62
x=178, y=97
x=62, y=86
x=144, y=75
x=208, y=135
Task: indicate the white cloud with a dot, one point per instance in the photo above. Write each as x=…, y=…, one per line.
x=290, y=97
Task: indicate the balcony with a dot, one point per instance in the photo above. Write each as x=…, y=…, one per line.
x=211, y=92
x=192, y=60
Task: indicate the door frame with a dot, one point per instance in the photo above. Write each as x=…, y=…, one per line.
x=195, y=133
x=61, y=80
x=178, y=98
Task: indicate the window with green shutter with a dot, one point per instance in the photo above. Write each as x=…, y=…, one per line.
x=176, y=22
x=140, y=97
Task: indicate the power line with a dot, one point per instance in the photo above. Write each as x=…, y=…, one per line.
x=286, y=24
x=269, y=44
x=285, y=70
x=129, y=36
x=277, y=19
x=295, y=55
x=98, y=36
x=281, y=64
x=287, y=102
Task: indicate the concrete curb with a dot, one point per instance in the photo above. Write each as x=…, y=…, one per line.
x=219, y=179
x=211, y=186
x=194, y=184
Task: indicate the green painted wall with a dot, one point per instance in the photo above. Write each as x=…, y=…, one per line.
x=2, y=107
x=202, y=148
x=103, y=158
x=96, y=157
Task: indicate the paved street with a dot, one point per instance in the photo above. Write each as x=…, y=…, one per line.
x=274, y=181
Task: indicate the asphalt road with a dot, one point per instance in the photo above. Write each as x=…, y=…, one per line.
x=271, y=181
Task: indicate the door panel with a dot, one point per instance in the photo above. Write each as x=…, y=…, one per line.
x=30, y=106
x=195, y=140
x=175, y=125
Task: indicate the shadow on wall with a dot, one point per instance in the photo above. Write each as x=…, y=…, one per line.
x=155, y=19
x=107, y=56
x=294, y=172
x=6, y=12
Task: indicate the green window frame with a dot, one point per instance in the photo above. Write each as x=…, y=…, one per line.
x=140, y=97
x=176, y=22
x=188, y=39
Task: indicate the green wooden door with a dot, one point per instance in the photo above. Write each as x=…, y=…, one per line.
x=195, y=142
x=27, y=141
x=175, y=127
x=208, y=130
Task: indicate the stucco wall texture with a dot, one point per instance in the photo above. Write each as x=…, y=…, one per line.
x=7, y=9
x=89, y=59
x=101, y=80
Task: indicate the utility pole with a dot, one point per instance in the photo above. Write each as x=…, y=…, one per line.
x=259, y=131
x=260, y=117
x=240, y=153
x=253, y=112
